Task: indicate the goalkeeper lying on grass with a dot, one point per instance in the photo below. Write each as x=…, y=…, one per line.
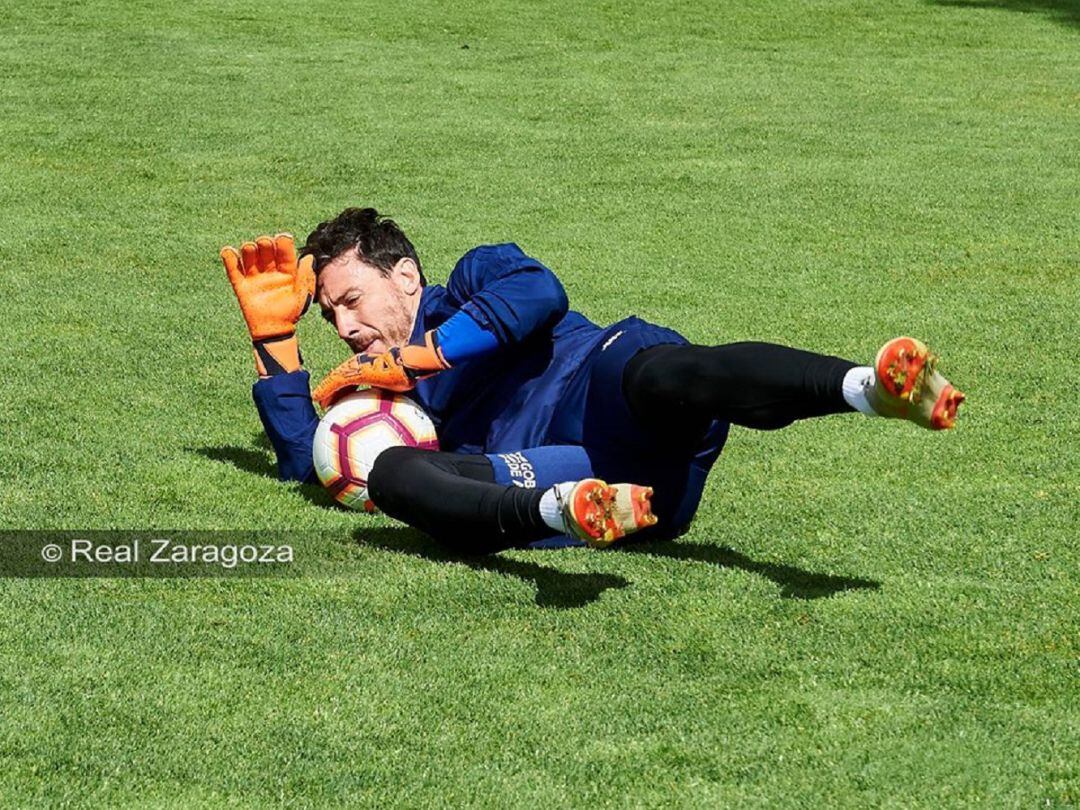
x=537, y=406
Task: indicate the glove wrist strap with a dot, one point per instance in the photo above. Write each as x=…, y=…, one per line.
x=277, y=355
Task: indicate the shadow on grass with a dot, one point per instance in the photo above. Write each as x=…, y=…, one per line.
x=554, y=588
x=256, y=462
x=261, y=463
x=1062, y=11
x=795, y=583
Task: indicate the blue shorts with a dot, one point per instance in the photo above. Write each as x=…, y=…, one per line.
x=595, y=434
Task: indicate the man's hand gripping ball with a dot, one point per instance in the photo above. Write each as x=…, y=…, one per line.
x=274, y=290
x=395, y=370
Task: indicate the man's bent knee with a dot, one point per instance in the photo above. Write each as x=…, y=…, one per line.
x=389, y=480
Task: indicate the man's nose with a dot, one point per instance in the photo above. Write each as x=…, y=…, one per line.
x=346, y=324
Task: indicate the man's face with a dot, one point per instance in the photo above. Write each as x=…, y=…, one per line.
x=373, y=312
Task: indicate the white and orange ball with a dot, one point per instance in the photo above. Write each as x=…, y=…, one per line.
x=353, y=433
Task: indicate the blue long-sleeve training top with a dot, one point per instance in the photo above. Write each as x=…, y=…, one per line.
x=503, y=400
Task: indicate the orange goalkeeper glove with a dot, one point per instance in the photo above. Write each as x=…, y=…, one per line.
x=274, y=290
x=395, y=370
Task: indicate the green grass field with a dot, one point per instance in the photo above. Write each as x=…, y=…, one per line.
x=863, y=613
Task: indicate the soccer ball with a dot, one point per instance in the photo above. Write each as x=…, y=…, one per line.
x=355, y=430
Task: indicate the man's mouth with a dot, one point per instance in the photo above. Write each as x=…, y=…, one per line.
x=362, y=348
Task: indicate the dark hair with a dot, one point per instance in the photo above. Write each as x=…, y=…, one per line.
x=376, y=239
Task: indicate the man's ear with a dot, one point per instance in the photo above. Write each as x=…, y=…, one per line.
x=407, y=275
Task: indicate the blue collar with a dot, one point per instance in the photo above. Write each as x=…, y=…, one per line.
x=418, y=329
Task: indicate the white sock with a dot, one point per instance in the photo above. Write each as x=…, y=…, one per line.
x=550, y=510
x=856, y=383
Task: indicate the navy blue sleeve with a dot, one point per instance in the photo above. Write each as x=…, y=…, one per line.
x=508, y=293
x=288, y=415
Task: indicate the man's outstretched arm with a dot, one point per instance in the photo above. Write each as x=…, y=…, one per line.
x=274, y=290
x=289, y=419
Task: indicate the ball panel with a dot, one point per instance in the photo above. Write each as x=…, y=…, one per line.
x=324, y=453
x=414, y=421
x=353, y=496
x=362, y=445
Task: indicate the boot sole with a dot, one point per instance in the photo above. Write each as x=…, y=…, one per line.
x=907, y=370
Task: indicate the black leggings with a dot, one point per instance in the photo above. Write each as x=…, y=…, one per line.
x=755, y=385
x=454, y=497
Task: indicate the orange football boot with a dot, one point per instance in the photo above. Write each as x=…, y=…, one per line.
x=601, y=514
x=907, y=385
